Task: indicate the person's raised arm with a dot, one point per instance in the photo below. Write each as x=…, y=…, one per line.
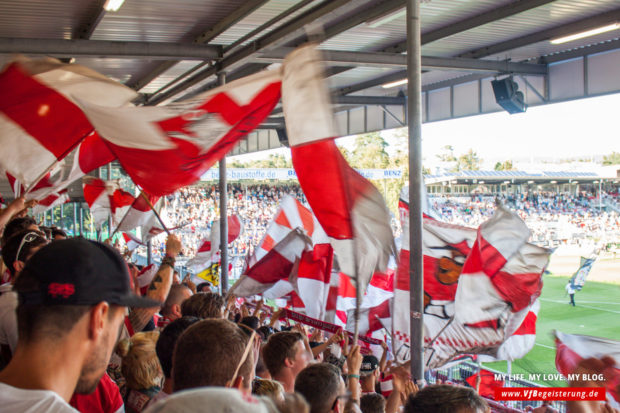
x=12, y=209
x=160, y=285
x=354, y=364
x=383, y=360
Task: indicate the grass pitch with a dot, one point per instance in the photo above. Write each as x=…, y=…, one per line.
x=597, y=314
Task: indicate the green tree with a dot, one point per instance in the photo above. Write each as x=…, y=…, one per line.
x=447, y=154
x=469, y=161
x=504, y=166
x=369, y=151
x=611, y=159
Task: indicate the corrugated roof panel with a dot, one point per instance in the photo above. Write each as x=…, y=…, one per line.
x=260, y=16
x=163, y=20
x=43, y=18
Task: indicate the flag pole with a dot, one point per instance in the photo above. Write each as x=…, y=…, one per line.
x=148, y=201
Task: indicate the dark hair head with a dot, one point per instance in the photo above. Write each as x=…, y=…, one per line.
x=16, y=225
x=203, y=305
x=207, y=354
x=319, y=384
x=279, y=347
x=168, y=338
x=57, y=232
x=372, y=403
x=444, y=398
x=11, y=248
x=203, y=287
x=252, y=322
x=176, y=296
x=264, y=332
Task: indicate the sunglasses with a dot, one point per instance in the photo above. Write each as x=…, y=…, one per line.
x=29, y=237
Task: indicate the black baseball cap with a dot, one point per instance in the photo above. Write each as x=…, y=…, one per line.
x=77, y=271
x=369, y=364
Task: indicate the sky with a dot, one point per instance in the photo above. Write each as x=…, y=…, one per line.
x=575, y=129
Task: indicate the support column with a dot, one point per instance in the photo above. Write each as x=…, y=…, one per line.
x=110, y=216
x=414, y=117
x=221, y=77
x=81, y=220
x=149, y=254
x=74, y=219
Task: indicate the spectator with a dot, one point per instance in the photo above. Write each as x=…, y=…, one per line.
x=17, y=251
x=72, y=300
x=58, y=234
x=444, y=398
x=17, y=225
x=269, y=388
x=165, y=348
x=204, y=287
x=211, y=353
x=141, y=370
x=369, y=373
x=372, y=403
x=204, y=305
x=172, y=307
x=321, y=385
x=285, y=356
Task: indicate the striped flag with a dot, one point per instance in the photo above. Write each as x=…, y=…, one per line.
x=350, y=209
x=106, y=198
x=41, y=120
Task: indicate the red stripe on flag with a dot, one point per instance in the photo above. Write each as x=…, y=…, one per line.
x=520, y=290
x=46, y=115
x=268, y=243
x=93, y=153
x=282, y=219
x=93, y=190
x=306, y=218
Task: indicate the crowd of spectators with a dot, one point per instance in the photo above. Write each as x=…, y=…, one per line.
x=553, y=218
x=78, y=334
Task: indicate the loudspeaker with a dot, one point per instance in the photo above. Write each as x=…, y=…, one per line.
x=282, y=136
x=508, y=96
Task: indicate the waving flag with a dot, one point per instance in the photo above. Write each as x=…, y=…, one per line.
x=579, y=278
x=573, y=348
x=350, y=209
x=209, y=247
x=164, y=148
x=41, y=119
x=294, y=249
x=131, y=241
x=140, y=215
x=491, y=280
x=105, y=198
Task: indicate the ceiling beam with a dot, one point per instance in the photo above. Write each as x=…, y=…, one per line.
x=547, y=34
x=481, y=19
x=99, y=48
x=293, y=32
x=87, y=28
x=583, y=51
x=246, y=9
x=399, y=61
x=368, y=100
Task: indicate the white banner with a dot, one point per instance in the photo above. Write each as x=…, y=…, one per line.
x=283, y=174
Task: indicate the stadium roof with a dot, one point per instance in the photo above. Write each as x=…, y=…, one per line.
x=494, y=177
x=168, y=50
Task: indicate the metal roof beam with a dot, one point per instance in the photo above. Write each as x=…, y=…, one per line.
x=399, y=61
x=293, y=33
x=86, y=30
x=368, y=100
x=562, y=30
x=481, y=19
x=246, y=9
x=98, y=48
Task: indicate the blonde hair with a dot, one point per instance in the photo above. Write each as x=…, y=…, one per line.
x=270, y=388
x=140, y=365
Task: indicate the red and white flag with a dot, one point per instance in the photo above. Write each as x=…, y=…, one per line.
x=501, y=270
x=106, y=199
x=45, y=192
x=571, y=349
x=294, y=249
x=131, y=241
x=350, y=209
x=41, y=120
x=164, y=148
x=209, y=247
x=140, y=215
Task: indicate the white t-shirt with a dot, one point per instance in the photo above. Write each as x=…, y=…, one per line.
x=8, y=317
x=13, y=399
